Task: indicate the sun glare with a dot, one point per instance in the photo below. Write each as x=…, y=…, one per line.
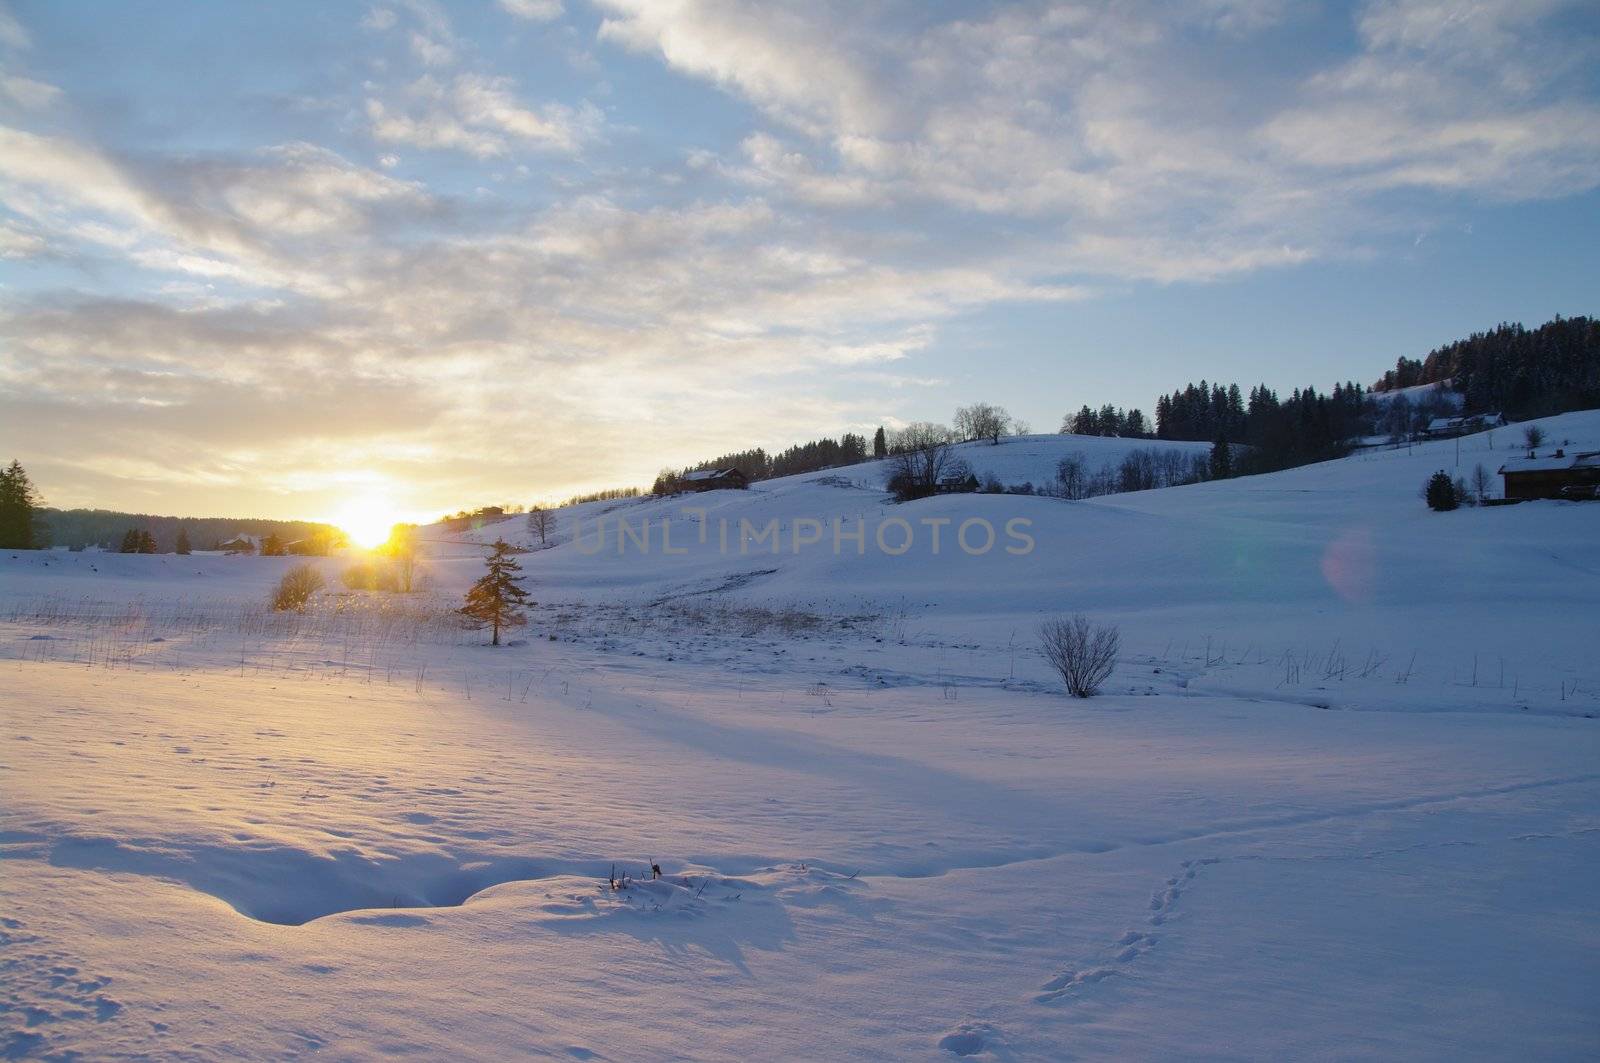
x=367, y=521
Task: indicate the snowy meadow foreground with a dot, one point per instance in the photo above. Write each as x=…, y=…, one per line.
x=1339, y=799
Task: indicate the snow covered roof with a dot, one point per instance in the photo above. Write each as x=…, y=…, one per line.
x=1589, y=459
x=709, y=474
x=1470, y=420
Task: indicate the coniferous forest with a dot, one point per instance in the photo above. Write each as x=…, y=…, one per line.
x=1519, y=372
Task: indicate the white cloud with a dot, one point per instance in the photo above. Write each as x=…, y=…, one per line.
x=478, y=115
x=12, y=32
x=19, y=243
x=534, y=10
x=431, y=51
x=27, y=92
x=1104, y=123
x=379, y=19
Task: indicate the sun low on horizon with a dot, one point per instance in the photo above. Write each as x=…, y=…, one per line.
x=368, y=519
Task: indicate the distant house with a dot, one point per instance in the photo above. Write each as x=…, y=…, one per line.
x=956, y=485
x=240, y=544
x=1558, y=476
x=1449, y=427
x=713, y=480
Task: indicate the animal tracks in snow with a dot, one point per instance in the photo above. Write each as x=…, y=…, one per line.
x=1132, y=944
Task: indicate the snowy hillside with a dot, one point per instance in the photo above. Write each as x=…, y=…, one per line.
x=1338, y=799
x=1341, y=551
x=1438, y=391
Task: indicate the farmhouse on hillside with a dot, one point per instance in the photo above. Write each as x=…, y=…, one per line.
x=1556, y=476
x=713, y=480
x=1449, y=427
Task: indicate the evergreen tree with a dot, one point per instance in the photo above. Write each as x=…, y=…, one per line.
x=146, y=542
x=496, y=600
x=130, y=542
x=1221, y=459
x=271, y=545
x=183, y=541
x=19, y=502
x=880, y=443
x=1440, y=492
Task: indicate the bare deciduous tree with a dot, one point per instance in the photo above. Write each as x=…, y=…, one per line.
x=541, y=522
x=1072, y=476
x=1481, y=482
x=982, y=421
x=1533, y=435
x=920, y=459
x=402, y=546
x=1082, y=652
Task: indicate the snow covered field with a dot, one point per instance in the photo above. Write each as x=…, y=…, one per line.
x=1340, y=798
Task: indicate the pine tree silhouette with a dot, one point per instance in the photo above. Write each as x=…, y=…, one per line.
x=19, y=502
x=496, y=600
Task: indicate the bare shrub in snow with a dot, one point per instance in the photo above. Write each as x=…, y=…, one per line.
x=297, y=586
x=371, y=574
x=1082, y=652
x=1533, y=435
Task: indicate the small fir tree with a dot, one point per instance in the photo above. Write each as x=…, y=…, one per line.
x=183, y=541
x=880, y=443
x=496, y=600
x=1440, y=492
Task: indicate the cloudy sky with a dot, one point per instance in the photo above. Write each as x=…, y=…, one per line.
x=260, y=259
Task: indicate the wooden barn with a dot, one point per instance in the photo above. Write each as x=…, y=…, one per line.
x=714, y=480
x=1557, y=476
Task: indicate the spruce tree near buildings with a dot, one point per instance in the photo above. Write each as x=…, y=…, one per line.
x=496, y=600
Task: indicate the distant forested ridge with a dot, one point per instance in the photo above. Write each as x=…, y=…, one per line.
x=106, y=528
x=757, y=464
x=1519, y=372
